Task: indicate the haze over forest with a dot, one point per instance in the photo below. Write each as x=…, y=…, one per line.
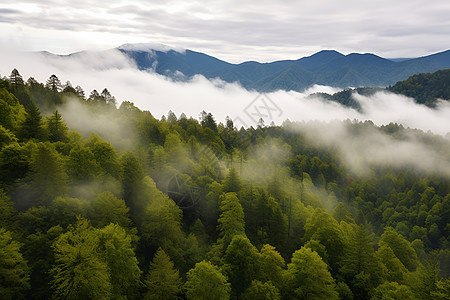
x=247, y=160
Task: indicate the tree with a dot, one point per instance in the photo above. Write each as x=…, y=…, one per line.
x=395, y=270
x=232, y=182
x=401, y=248
x=261, y=291
x=322, y=227
x=16, y=79
x=79, y=271
x=242, y=262
x=57, y=129
x=207, y=121
x=307, y=277
x=162, y=281
x=359, y=257
x=231, y=220
x=393, y=291
x=107, y=208
x=206, y=282
x=82, y=166
x=108, y=98
x=14, y=273
x=272, y=265
x=47, y=178
x=54, y=84
x=32, y=126
x=116, y=250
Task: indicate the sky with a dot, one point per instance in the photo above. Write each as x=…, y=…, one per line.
x=232, y=30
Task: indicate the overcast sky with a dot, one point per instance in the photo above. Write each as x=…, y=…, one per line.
x=233, y=30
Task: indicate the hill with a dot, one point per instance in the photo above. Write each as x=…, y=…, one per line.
x=327, y=67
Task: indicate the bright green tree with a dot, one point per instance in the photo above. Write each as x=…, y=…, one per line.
x=14, y=273
x=401, y=248
x=307, y=277
x=206, y=282
x=116, y=250
x=261, y=291
x=231, y=220
x=272, y=265
x=107, y=208
x=162, y=281
x=393, y=291
x=80, y=271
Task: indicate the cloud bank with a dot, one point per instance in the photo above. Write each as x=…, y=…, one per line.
x=233, y=30
x=153, y=92
x=156, y=93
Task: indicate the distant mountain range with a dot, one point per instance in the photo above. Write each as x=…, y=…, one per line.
x=327, y=67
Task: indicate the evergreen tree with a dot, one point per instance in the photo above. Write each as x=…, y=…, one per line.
x=242, y=263
x=307, y=277
x=57, y=129
x=206, y=282
x=14, y=273
x=79, y=271
x=32, y=126
x=162, y=281
x=231, y=220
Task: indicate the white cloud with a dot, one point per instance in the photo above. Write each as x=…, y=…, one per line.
x=157, y=94
x=232, y=30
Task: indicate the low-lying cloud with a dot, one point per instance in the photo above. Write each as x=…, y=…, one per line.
x=156, y=93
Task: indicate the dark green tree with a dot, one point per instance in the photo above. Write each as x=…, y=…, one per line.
x=57, y=129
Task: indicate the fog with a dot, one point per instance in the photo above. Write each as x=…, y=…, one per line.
x=153, y=92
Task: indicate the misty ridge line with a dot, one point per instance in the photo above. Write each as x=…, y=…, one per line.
x=159, y=94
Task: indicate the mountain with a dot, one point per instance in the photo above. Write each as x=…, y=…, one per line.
x=425, y=88
x=327, y=67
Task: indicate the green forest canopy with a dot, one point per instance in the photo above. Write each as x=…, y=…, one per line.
x=215, y=211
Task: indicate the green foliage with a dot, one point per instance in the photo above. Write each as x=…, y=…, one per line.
x=307, y=277
x=401, y=248
x=261, y=291
x=231, y=220
x=79, y=271
x=270, y=185
x=116, y=249
x=393, y=291
x=242, y=263
x=57, y=129
x=206, y=282
x=14, y=273
x=162, y=281
x=425, y=88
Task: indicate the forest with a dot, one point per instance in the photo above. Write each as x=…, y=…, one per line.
x=180, y=208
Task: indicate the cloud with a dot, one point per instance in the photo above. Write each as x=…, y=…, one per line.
x=364, y=146
x=156, y=93
x=153, y=92
x=238, y=30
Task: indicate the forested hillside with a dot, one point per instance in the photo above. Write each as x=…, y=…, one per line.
x=203, y=210
x=424, y=88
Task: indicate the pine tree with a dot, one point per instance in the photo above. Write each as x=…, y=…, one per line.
x=162, y=281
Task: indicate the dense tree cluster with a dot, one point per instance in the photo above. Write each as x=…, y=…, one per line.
x=201, y=210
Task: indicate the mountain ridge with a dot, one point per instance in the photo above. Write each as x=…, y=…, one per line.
x=326, y=67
